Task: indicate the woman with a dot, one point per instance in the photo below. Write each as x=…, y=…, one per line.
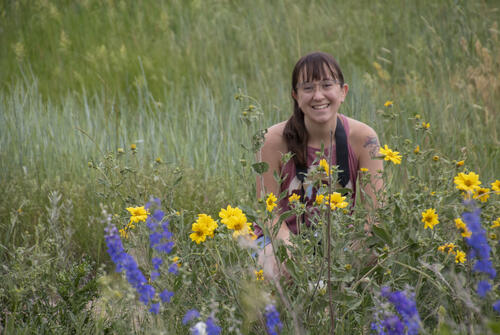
x=318, y=91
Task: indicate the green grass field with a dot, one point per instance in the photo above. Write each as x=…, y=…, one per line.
x=81, y=79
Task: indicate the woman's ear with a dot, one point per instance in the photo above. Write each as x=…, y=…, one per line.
x=345, y=89
x=294, y=95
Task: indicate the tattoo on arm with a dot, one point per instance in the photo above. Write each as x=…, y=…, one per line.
x=372, y=145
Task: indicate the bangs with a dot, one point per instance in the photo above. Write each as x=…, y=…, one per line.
x=316, y=66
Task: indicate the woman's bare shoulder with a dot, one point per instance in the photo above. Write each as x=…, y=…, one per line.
x=274, y=139
x=359, y=131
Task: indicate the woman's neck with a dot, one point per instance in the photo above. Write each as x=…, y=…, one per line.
x=320, y=133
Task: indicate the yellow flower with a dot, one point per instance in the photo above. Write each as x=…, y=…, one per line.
x=460, y=163
x=417, y=149
x=448, y=247
x=294, y=198
x=259, y=275
x=133, y=146
x=430, y=218
x=228, y=214
x=320, y=198
x=139, y=214
x=417, y=116
x=493, y=236
x=435, y=158
x=390, y=155
x=198, y=235
x=460, y=257
x=337, y=201
x=462, y=227
x=176, y=261
x=495, y=186
x=203, y=227
x=158, y=160
x=252, y=235
x=236, y=220
x=323, y=163
x=426, y=125
x=271, y=202
x=123, y=233
x=120, y=150
x=467, y=182
x=496, y=223
x=388, y=103
x=482, y=194
x=363, y=170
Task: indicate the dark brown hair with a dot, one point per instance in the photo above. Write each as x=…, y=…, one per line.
x=313, y=66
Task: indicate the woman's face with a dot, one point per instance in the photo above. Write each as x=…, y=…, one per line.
x=319, y=100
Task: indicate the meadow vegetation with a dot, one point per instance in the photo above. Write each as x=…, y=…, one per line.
x=106, y=105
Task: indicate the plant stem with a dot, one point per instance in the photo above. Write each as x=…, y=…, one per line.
x=328, y=242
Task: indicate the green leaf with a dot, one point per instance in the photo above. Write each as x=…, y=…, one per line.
x=382, y=234
x=261, y=167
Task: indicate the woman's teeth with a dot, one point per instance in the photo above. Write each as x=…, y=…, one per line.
x=321, y=106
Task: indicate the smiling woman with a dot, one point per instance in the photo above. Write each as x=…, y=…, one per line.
x=318, y=91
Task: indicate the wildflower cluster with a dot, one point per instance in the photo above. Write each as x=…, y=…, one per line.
x=203, y=227
x=408, y=320
x=273, y=323
x=160, y=239
x=450, y=249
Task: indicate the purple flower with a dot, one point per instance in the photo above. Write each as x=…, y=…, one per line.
x=155, y=308
x=393, y=325
x=146, y=293
x=173, y=269
x=156, y=262
x=190, y=315
x=158, y=215
x=496, y=306
x=483, y=287
x=152, y=225
x=154, y=239
x=125, y=262
x=485, y=266
x=165, y=247
x=153, y=202
x=166, y=296
x=478, y=242
x=212, y=328
x=273, y=322
x=406, y=307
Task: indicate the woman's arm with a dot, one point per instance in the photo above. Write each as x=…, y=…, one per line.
x=367, y=159
x=271, y=152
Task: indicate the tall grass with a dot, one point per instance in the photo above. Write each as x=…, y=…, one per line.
x=159, y=72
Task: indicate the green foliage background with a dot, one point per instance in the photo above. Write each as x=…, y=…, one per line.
x=80, y=79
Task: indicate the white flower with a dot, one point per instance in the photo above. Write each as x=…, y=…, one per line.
x=199, y=329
